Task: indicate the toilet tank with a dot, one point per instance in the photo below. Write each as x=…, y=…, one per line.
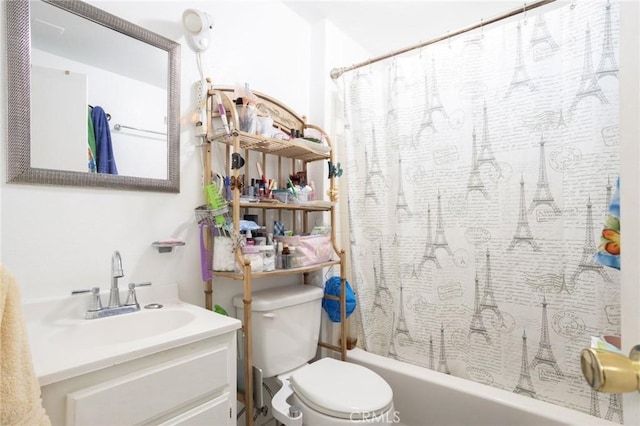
x=285, y=326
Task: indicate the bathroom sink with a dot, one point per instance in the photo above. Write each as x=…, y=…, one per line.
x=122, y=328
x=64, y=344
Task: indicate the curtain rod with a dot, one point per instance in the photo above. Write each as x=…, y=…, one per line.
x=337, y=72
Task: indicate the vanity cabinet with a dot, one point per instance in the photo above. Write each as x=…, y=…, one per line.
x=278, y=147
x=192, y=384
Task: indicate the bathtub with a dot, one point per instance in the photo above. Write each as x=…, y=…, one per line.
x=424, y=397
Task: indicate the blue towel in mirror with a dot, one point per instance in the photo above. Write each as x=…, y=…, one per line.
x=104, y=148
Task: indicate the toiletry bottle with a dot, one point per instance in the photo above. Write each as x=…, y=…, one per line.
x=249, y=238
x=279, y=249
x=252, y=188
x=286, y=256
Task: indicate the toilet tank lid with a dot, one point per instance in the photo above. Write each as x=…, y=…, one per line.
x=280, y=297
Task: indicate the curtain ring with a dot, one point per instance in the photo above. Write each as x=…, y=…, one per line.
x=524, y=11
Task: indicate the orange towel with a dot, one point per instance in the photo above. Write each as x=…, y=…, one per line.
x=20, y=402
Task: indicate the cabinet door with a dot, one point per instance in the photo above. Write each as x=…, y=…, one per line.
x=218, y=411
x=151, y=392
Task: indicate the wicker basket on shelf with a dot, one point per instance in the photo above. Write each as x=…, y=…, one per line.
x=207, y=215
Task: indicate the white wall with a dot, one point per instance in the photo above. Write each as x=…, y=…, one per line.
x=128, y=101
x=55, y=239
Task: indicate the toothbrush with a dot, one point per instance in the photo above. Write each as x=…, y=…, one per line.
x=223, y=114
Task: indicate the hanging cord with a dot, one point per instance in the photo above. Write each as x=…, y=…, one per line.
x=337, y=72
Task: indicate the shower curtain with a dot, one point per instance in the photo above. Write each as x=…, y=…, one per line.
x=479, y=173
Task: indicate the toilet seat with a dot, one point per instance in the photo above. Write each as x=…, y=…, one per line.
x=341, y=389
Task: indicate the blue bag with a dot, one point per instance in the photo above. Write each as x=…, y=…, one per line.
x=332, y=307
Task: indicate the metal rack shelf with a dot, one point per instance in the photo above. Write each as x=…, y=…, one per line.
x=285, y=206
x=279, y=147
x=277, y=272
x=285, y=121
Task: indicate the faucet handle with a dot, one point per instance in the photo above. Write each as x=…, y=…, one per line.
x=131, y=297
x=96, y=303
x=142, y=284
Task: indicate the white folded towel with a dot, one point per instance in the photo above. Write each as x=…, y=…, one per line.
x=20, y=402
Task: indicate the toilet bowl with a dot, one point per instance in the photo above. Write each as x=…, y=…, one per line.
x=333, y=393
x=286, y=327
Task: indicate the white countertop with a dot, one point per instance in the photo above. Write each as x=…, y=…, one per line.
x=64, y=344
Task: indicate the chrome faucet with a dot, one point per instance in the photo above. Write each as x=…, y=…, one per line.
x=116, y=272
x=96, y=310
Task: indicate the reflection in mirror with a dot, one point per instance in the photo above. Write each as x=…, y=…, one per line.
x=84, y=61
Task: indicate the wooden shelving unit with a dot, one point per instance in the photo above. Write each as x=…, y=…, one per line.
x=241, y=142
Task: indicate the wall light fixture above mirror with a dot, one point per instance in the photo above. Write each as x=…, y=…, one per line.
x=149, y=135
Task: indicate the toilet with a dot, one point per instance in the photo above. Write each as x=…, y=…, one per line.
x=286, y=327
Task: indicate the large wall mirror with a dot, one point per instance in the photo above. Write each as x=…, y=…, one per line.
x=87, y=88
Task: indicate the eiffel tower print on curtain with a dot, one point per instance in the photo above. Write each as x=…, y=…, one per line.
x=392, y=351
x=488, y=302
x=382, y=298
x=431, y=358
x=430, y=249
x=589, y=86
x=443, y=366
x=427, y=118
x=435, y=104
x=523, y=232
x=372, y=169
x=587, y=262
x=401, y=204
x=525, y=385
x=369, y=191
x=543, y=192
x=608, y=64
x=594, y=405
x=440, y=241
x=607, y=201
x=614, y=408
x=542, y=43
x=520, y=75
x=485, y=155
x=477, y=324
x=401, y=325
x=545, y=355
x=394, y=79
x=475, y=180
